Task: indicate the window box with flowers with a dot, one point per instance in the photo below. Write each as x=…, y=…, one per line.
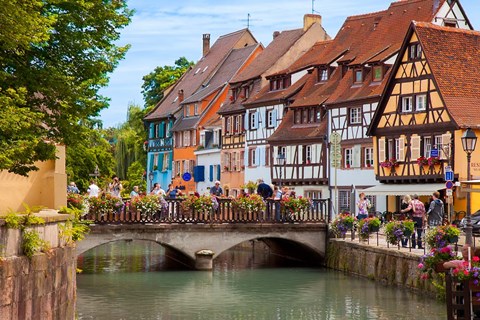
x=390, y=163
x=433, y=161
x=422, y=161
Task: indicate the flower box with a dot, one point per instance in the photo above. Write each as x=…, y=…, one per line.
x=442, y=236
x=390, y=163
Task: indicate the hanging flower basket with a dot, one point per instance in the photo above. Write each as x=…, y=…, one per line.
x=390, y=163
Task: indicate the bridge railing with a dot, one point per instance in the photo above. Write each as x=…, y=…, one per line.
x=225, y=213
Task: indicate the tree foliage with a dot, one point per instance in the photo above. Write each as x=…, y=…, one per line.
x=156, y=82
x=54, y=58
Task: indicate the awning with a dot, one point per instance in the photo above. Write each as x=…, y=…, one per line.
x=402, y=189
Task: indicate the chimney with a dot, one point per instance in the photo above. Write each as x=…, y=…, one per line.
x=310, y=19
x=206, y=43
x=180, y=96
x=276, y=34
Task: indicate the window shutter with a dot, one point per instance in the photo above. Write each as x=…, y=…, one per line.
x=211, y=172
x=162, y=129
x=218, y=172
x=401, y=149
x=356, y=157
x=263, y=117
x=381, y=149
x=160, y=161
x=258, y=159
x=199, y=173
x=256, y=118
x=446, y=138
x=173, y=168
x=415, y=147
x=152, y=128
x=151, y=162
x=245, y=121
x=274, y=117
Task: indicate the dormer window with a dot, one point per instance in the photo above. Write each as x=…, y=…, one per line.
x=246, y=92
x=358, y=76
x=451, y=23
x=280, y=83
x=195, y=111
x=187, y=111
x=377, y=73
x=415, y=51
x=322, y=75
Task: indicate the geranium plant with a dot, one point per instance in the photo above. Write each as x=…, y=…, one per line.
x=294, y=206
x=342, y=223
x=422, y=161
x=103, y=205
x=437, y=256
x=148, y=205
x=250, y=203
x=368, y=226
x=75, y=200
x=396, y=230
x=251, y=186
x=204, y=204
x=469, y=271
x=392, y=162
x=441, y=236
x=433, y=161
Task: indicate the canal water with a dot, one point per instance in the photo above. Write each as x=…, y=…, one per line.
x=137, y=280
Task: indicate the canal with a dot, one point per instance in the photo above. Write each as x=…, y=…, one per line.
x=136, y=280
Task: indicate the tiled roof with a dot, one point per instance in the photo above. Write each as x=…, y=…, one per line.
x=197, y=75
x=387, y=37
x=265, y=96
x=288, y=131
x=276, y=49
x=215, y=121
x=227, y=70
x=454, y=56
x=236, y=106
x=186, y=123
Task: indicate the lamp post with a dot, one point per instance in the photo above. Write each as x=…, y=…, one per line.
x=469, y=141
x=150, y=177
x=281, y=162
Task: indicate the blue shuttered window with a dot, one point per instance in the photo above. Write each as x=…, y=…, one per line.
x=218, y=172
x=199, y=173
x=211, y=173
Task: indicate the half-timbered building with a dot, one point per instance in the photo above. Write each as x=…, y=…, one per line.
x=431, y=98
x=160, y=161
x=354, y=102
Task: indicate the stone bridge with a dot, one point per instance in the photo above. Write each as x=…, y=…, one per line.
x=199, y=244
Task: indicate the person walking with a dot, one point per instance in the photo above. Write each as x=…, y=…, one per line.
x=418, y=217
x=406, y=212
x=435, y=211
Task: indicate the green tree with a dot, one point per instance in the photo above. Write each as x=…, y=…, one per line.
x=156, y=82
x=54, y=58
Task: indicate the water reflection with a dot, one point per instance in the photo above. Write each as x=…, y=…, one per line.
x=236, y=289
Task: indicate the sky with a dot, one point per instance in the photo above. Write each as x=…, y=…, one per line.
x=161, y=31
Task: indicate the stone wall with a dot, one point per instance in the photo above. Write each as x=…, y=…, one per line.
x=40, y=288
x=385, y=265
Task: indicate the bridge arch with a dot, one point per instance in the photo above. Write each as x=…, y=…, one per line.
x=189, y=239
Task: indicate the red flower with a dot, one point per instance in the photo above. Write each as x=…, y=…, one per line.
x=476, y=259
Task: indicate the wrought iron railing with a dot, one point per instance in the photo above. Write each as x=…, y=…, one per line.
x=225, y=213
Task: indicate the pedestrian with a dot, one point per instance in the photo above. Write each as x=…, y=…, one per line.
x=418, y=217
x=134, y=192
x=363, y=204
x=467, y=252
x=93, y=189
x=435, y=211
x=405, y=213
x=172, y=191
x=72, y=188
x=277, y=197
x=242, y=194
x=115, y=187
x=264, y=190
x=157, y=190
x=216, y=190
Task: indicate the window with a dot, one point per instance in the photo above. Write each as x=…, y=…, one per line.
x=178, y=168
x=368, y=153
x=322, y=75
x=267, y=156
x=313, y=194
x=252, y=155
x=304, y=116
x=421, y=102
x=270, y=120
x=348, y=157
x=252, y=121
x=193, y=138
x=246, y=92
x=187, y=111
x=407, y=104
x=228, y=122
x=355, y=115
x=377, y=73
x=344, y=200
x=236, y=126
x=307, y=154
x=397, y=149
x=298, y=116
x=166, y=161
x=358, y=76
x=415, y=51
x=373, y=202
x=427, y=146
x=195, y=109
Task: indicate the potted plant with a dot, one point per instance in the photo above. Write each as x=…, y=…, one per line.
x=250, y=203
x=293, y=206
x=389, y=163
x=251, y=186
x=148, y=205
x=396, y=230
x=202, y=204
x=433, y=261
x=441, y=236
x=342, y=223
x=368, y=226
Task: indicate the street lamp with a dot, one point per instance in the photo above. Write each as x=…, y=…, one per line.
x=150, y=177
x=469, y=141
x=281, y=162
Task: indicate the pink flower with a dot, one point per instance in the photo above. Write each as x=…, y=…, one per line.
x=476, y=259
x=420, y=266
x=446, y=250
x=465, y=272
x=424, y=276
